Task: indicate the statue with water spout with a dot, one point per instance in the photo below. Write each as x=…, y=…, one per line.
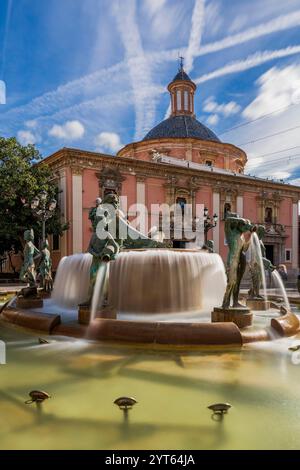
x=103, y=246
x=235, y=230
x=28, y=271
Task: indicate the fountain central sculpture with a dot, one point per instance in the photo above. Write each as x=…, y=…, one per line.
x=236, y=229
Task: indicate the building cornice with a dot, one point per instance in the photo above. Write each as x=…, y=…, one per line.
x=68, y=157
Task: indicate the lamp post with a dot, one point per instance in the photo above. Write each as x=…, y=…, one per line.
x=43, y=210
x=209, y=223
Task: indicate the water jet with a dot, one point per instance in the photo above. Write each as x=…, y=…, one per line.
x=37, y=396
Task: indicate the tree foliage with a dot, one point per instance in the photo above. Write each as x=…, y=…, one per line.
x=21, y=179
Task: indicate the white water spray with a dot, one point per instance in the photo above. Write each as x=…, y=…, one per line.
x=166, y=281
x=72, y=280
x=256, y=257
x=280, y=288
x=100, y=289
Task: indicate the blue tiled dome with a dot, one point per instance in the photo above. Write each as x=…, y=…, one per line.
x=182, y=75
x=181, y=127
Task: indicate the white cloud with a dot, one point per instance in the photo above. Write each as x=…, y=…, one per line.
x=108, y=142
x=280, y=23
x=26, y=137
x=213, y=18
x=197, y=27
x=238, y=23
x=253, y=60
x=31, y=124
x=278, y=88
x=138, y=67
x=196, y=33
x=71, y=130
x=61, y=99
x=2, y=92
x=227, y=109
x=154, y=6
x=295, y=181
x=212, y=120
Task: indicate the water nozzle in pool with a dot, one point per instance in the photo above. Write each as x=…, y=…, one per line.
x=43, y=341
x=125, y=403
x=219, y=409
x=37, y=396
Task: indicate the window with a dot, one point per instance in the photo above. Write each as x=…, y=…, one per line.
x=181, y=202
x=268, y=215
x=55, y=242
x=208, y=163
x=227, y=209
x=186, y=101
x=288, y=255
x=178, y=100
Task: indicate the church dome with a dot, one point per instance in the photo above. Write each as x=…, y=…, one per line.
x=181, y=126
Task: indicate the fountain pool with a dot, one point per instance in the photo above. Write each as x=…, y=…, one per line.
x=173, y=390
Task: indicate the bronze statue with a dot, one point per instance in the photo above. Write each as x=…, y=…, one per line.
x=28, y=272
x=255, y=266
x=111, y=232
x=103, y=247
x=45, y=268
x=235, y=227
x=93, y=211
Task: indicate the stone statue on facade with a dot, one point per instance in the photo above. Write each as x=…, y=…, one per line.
x=28, y=271
x=235, y=228
x=45, y=268
x=255, y=265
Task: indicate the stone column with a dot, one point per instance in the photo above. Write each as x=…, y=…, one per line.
x=295, y=234
x=77, y=211
x=216, y=230
x=141, y=199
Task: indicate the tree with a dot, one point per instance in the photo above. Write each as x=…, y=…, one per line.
x=22, y=177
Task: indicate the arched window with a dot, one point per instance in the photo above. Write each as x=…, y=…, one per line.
x=186, y=101
x=268, y=215
x=227, y=209
x=181, y=202
x=178, y=100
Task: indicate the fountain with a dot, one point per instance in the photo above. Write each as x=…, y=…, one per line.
x=132, y=288
x=160, y=298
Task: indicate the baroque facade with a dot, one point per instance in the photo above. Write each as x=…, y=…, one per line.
x=179, y=161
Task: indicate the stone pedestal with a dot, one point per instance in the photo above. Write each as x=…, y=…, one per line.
x=258, y=304
x=240, y=316
x=29, y=302
x=84, y=314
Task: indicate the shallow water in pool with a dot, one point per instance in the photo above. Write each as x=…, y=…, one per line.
x=173, y=389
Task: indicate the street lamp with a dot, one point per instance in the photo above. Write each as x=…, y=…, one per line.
x=208, y=223
x=43, y=210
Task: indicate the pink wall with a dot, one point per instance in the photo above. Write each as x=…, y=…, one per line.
x=250, y=207
x=129, y=189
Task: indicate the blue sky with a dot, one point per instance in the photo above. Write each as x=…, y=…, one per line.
x=92, y=74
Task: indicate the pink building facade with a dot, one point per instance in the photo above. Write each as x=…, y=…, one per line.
x=179, y=161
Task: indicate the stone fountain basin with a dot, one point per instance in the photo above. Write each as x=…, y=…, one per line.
x=151, y=333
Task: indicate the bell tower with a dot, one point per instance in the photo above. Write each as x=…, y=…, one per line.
x=182, y=91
